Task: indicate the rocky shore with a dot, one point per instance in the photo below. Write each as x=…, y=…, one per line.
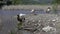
x=26, y=7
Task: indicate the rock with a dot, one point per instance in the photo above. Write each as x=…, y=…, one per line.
x=48, y=28
x=40, y=22
x=54, y=20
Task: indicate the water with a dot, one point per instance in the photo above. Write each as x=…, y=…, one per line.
x=15, y=12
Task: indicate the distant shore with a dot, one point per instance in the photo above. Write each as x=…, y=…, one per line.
x=27, y=7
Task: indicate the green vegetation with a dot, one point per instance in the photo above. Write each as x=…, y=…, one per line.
x=56, y=1
x=55, y=5
x=24, y=2
x=30, y=2
x=19, y=25
x=12, y=32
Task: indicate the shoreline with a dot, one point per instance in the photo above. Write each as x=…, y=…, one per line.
x=27, y=7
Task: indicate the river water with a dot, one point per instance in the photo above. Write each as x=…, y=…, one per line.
x=15, y=12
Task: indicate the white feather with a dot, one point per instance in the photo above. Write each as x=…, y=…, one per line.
x=22, y=14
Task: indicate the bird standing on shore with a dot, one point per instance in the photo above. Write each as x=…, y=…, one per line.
x=20, y=17
x=33, y=12
x=48, y=10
